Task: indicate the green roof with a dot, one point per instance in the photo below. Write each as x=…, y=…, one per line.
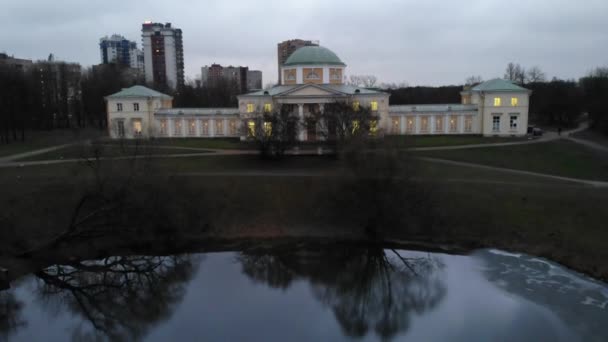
x=138, y=91
x=341, y=88
x=499, y=84
x=309, y=55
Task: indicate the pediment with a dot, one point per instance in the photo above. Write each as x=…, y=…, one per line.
x=310, y=90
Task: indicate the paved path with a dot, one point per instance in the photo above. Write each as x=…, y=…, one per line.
x=13, y=157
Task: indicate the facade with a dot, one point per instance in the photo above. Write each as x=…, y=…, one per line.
x=313, y=77
x=117, y=49
x=245, y=79
x=17, y=63
x=163, y=54
x=286, y=48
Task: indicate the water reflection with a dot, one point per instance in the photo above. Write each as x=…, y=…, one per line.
x=117, y=298
x=368, y=289
x=581, y=303
x=10, y=315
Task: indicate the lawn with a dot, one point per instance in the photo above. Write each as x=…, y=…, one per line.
x=35, y=140
x=205, y=143
x=445, y=140
x=592, y=136
x=561, y=158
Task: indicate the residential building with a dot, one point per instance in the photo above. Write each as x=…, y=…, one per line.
x=17, y=63
x=312, y=79
x=211, y=75
x=117, y=49
x=254, y=80
x=286, y=48
x=163, y=54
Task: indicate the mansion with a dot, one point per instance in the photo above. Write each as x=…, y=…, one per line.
x=312, y=77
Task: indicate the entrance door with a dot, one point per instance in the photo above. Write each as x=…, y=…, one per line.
x=311, y=130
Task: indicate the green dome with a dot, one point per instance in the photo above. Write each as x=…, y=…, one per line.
x=309, y=55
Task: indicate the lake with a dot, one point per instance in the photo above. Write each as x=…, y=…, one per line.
x=329, y=293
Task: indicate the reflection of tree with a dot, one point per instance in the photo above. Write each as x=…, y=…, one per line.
x=366, y=288
x=119, y=296
x=10, y=315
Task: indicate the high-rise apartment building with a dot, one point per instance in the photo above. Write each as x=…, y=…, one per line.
x=244, y=78
x=254, y=80
x=163, y=54
x=286, y=48
x=117, y=49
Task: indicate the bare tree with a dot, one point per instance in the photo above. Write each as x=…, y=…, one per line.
x=534, y=75
x=273, y=132
x=515, y=73
x=473, y=80
x=366, y=81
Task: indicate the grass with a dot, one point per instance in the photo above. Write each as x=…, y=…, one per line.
x=592, y=136
x=209, y=143
x=445, y=140
x=35, y=140
x=561, y=158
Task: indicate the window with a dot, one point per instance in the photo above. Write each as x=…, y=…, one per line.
x=514, y=101
x=513, y=122
x=120, y=127
x=468, y=124
x=191, y=127
x=374, y=105
x=373, y=127
x=495, y=123
x=268, y=107
x=234, y=127
x=251, y=128
x=453, y=124
x=410, y=124
x=439, y=124
x=205, y=127
x=424, y=125
x=312, y=76
x=250, y=108
x=136, y=107
x=356, y=106
x=355, y=126
x=219, y=127
x=119, y=107
x=267, y=128
x=497, y=102
x=163, y=126
x=395, y=125
x=137, y=128
x=177, y=127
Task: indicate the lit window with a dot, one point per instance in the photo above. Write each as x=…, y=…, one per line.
x=495, y=123
x=453, y=124
x=356, y=106
x=219, y=127
x=163, y=127
x=137, y=127
x=191, y=127
x=205, y=126
x=514, y=101
x=267, y=128
x=468, y=124
x=136, y=107
x=268, y=107
x=396, y=125
x=374, y=105
x=439, y=124
x=355, y=126
x=424, y=124
x=251, y=128
x=119, y=107
x=513, y=122
x=250, y=108
x=233, y=127
x=373, y=127
x=410, y=126
x=497, y=102
x=177, y=127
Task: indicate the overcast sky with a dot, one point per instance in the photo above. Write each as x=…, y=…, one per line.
x=422, y=42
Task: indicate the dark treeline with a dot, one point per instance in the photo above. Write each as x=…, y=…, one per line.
x=222, y=93
x=425, y=95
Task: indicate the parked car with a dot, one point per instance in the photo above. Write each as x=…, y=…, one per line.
x=535, y=131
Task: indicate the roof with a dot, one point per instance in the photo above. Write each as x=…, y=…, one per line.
x=433, y=108
x=340, y=88
x=498, y=84
x=138, y=91
x=309, y=55
x=197, y=111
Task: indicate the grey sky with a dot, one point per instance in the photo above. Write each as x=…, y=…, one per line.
x=422, y=42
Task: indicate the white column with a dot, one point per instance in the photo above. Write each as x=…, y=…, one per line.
x=226, y=128
x=446, y=124
x=461, y=124
x=431, y=121
x=417, y=124
x=302, y=133
x=323, y=126
x=211, y=127
x=402, y=122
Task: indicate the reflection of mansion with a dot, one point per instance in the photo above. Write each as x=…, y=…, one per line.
x=313, y=76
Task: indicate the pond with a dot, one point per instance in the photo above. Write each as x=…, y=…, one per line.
x=307, y=294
